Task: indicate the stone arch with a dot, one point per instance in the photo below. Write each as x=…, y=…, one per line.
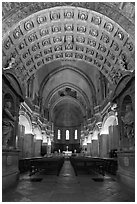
x=70, y=76
x=26, y=122
x=37, y=132
x=76, y=71
x=64, y=85
x=75, y=34
x=73, y=101
x=108, y=121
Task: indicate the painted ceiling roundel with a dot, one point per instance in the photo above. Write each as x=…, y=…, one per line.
x=69, y=33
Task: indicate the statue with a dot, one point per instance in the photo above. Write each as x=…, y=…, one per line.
x=128, y=121
x=7, y=124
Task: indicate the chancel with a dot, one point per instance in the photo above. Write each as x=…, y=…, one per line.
x=68, y=101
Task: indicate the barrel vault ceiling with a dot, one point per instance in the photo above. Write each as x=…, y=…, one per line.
x=48, y=39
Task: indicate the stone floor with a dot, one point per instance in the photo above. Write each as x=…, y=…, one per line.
x=67, y=188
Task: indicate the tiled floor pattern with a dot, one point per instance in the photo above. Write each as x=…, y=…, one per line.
x=67, y=188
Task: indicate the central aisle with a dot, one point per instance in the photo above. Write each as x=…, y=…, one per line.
x=68, y=185
x=67, y=188
x=67, y=170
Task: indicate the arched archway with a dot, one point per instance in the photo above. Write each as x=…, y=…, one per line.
x=109, y=121
x=26, y=122
x=109, y=136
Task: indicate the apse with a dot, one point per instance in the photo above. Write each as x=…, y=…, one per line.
x=68, y=118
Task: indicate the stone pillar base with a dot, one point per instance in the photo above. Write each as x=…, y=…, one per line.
x=10, y=171
x=126, y=168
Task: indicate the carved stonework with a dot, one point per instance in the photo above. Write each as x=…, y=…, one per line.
x=126, y=113
x=12, y=95
x=127, y=123
x=34, y=37
x=8, y=121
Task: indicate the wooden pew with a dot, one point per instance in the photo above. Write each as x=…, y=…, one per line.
x=87, y=164
x=95, y=164
x=24, y=163
x=111, y=165
x=48, y=164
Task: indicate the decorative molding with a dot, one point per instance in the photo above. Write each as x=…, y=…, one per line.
x=91, y=37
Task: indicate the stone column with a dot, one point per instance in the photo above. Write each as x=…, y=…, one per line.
x=103, y=145
x=95, y=148
x=37, y=148
x=89, y=145
x=28, y=146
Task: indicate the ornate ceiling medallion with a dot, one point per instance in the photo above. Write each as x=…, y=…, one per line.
x=57, y=39
x=32, y=37
x=46, y=42
x=80, y=39
x=44, y=32
x=68, y=27
x=56, y=28
x=69, y=46
x=69, y=39
x=35, y=47
x=93, y=32
x=54, y=16
x=90, y=51
x=69, y=54
x=109, y=27
x=69, y=14
x=7, y=43
x=17, y=33
x=96, y=20
x=48, y=50
x=82, y=15
x=81, y=29
x=41, y=19
x=91, y=42
x=120, y=34
x=22, y=45
x=28, y=25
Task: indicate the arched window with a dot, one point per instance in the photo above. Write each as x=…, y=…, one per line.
x=58, y=134
x=76, y=134
x=67, y=134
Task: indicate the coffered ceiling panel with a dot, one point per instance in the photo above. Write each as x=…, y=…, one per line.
x=69, y=33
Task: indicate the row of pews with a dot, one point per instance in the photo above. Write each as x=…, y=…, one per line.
x=88, y=164
x=53, y=164
x=48, y=164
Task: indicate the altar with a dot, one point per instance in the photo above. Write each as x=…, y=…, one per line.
x=67, y=153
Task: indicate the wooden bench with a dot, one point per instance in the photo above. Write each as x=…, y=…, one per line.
x=87, y=164
x=95, y=164
x=25, y=163
x=49, y=165
x=111, y=165
x=36, y=164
